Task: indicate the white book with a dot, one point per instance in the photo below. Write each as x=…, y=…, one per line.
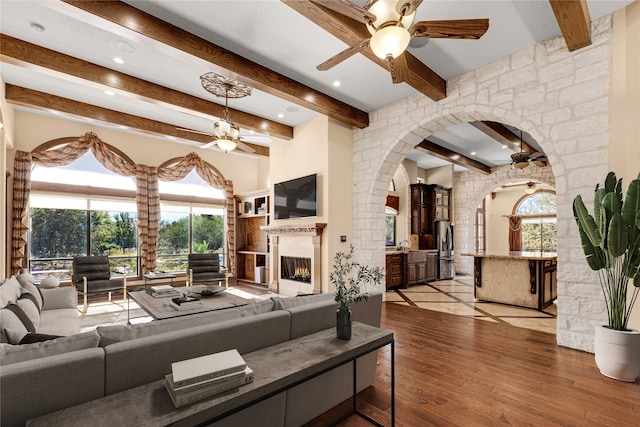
x=188, y=389
x=163, y=288
x=181, y=399
x=204, y=368
x=185, y=306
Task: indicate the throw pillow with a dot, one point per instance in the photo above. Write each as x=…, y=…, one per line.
x=10, y=291
x=19, y=353
x=35, y=291
x=13, y=317
x=25, y=277
x=64, y=297
x=29, y=306
x=20, y=337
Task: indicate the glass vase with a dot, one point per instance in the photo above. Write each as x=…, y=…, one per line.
x=343, y=323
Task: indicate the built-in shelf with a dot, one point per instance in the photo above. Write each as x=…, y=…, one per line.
x=252, y=249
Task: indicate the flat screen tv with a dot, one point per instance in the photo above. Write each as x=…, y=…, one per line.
x=296, y=198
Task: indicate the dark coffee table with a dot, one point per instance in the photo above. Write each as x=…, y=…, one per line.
x=159, y=308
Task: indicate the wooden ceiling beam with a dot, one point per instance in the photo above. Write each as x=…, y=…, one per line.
x=17, y=95
x=55, y=64
x=105, y=14
x=450, y=156
x=352, y=32
x=575, y=22
x=502, y=135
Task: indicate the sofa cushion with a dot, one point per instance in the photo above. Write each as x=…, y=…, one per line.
x=25, y=277
x=285, y=303
x=256, y=308
x=61, y=321
x=19, y=353
x=10, y=291
x=118, y=333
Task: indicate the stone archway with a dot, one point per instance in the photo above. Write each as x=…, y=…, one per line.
x=561, y=99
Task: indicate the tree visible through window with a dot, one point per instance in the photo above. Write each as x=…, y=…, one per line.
x=538, y=213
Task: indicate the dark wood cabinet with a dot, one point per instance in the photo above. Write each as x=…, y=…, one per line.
x=415, y=268
x=394, y=270
x=432, y=266
x=429, y=203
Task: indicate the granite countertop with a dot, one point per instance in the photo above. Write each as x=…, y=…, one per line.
x=396, y=252
x=515, y=255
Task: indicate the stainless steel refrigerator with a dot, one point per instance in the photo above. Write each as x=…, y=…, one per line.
x=444, y=239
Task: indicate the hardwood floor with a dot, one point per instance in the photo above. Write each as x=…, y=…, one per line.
x=457, y=371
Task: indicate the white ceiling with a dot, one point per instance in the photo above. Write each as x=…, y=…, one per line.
x=272, y=34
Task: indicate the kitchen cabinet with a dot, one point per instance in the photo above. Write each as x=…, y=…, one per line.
x=394, y=270
x=432, y=266
x=429, y=203
x=416, y=268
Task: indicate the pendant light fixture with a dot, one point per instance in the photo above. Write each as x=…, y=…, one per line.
x=227, y=133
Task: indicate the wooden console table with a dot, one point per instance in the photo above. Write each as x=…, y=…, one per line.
x=276, y=369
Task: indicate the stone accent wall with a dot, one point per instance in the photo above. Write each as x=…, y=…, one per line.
x=561, y=99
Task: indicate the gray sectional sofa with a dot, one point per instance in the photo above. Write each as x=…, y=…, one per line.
x=115, y=358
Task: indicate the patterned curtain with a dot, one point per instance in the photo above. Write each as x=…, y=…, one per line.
x=214, y=178
x=21, y=191
x=59, y=156
x=515, y=233
x=147, y=194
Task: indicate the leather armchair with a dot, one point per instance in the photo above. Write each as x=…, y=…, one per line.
x=92, y=275
x=204, y=268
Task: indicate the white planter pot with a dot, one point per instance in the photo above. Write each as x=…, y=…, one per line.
x=618, y=353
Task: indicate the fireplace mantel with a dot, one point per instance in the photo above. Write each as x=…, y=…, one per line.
x=293, y=240
x=279, y=230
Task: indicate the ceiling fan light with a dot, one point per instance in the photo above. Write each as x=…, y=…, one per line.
x=224, y=129
x=390, y=41
x=521, y=165
x=531, y=188
x=226, y=144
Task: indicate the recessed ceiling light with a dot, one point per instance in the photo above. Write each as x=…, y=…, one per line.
x=252, y=131
x=455, y=157
x=37, y=27
x=1, y=125
x=280, y=115
x=336, y=83
x=504, y=146
x=118, y=60
x=473, y=153
x=109, y=92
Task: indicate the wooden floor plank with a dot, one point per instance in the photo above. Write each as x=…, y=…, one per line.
x=456, y=371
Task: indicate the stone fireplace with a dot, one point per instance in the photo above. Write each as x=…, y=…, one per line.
x=296, y=258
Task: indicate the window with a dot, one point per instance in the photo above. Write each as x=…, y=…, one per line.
x=390, y=228
x=66, y=222
x=84, y=226
x=188, y=229
x=538, y=213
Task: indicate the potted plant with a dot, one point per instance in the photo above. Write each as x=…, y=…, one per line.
x=347, y=277
x=611, y=243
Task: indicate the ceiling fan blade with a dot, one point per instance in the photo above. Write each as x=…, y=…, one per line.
x=398, y=68
x=244, y=147
x=451, y=29
x=346, y=8
x=193, y=131
x=209, y=144
x=347, y=53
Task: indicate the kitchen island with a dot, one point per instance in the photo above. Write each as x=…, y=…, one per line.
x=525, y=279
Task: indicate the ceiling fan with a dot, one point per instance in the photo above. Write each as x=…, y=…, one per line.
x=389, y=22
x=522, y=159
x=226, y=134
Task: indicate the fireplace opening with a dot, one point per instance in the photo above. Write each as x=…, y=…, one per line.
x=296, y=269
